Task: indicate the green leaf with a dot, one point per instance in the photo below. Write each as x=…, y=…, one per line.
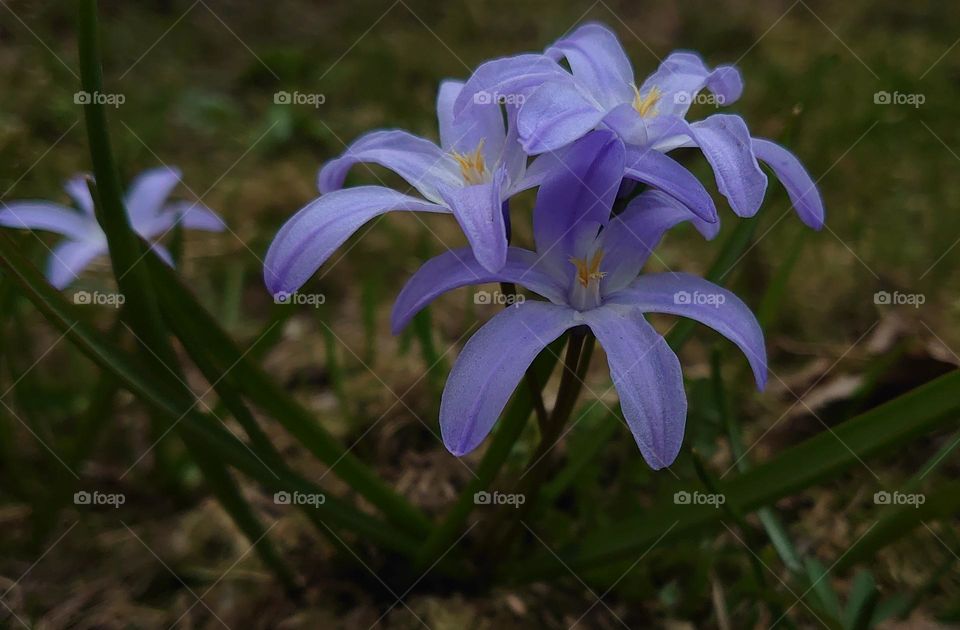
x=819, y=458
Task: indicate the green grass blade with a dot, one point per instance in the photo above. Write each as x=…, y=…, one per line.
x=821, y=457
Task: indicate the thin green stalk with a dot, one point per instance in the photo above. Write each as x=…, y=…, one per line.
x=133, y=279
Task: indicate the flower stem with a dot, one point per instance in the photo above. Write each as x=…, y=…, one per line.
x=575, y=363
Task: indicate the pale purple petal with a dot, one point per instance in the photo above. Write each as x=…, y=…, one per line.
x=149, y=191
x=726, y=143
x=647, y=375
x=316, y=231
x=682, y=76
x=556, y=114
x=507, y=78
x=79, y=191
x=458, y=268
x=630, y=238
x=422, y=163
x=43, y=215
x=656, y=169
x=800, y=186
x=490, y=366
x=68, y=259
x=479, y=211
x=628, y=124
x=162, y=253
x=690, y=296
x=578, y=198
x=598, y=62
x=483, y=123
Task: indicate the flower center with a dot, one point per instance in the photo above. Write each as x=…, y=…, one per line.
x=646, y=105
x=585, y=292
x=473, y=170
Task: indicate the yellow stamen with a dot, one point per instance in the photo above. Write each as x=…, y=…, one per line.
x=589, y=270
x=472, y=167
x=646, y=105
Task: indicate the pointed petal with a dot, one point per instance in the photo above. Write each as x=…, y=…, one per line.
x=464, y=133
x=632, y=235
x=647, y=375
x=689, y=296
x=479, y=211
x=578, y=197
x=422, y=163
x=682, y=76
x=79, y=191
x=43, y=215
x=68, y=259
x=556, y=114
x=507, y=78
x=490, y=366
x=316, y=231
x=162, y=253
x=459, y=268
x=800, y=186
x=149, y=191
x=598, y=62
x=656, y=169
x=726, y=143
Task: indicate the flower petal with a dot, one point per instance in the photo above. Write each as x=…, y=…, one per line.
x=598, y=62
x=458, y=268
x=800, y=186
x=149, y=191
x=422, y=163
x=479, y=211
x=690, y=296
x=647, y=375
x=507, y=78
x=52, y=217
x=490, y=366
x=656, y=169
x=682, y=76
x=726, y=143
x=316, y=231
x=483, y=123
x=79, y=191
x=577, y=197
x=628, y=124
x=68, y=259
x=556, y=114
x=632, y=235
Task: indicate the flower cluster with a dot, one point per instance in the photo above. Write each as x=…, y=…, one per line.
x=575, y=124
x=146, y=203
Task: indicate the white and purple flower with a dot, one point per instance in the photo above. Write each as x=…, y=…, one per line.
x=151, y=216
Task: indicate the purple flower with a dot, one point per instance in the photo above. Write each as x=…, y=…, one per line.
x=146, y=202
x=600, y=91
x=586, y=264
x=477, y=167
